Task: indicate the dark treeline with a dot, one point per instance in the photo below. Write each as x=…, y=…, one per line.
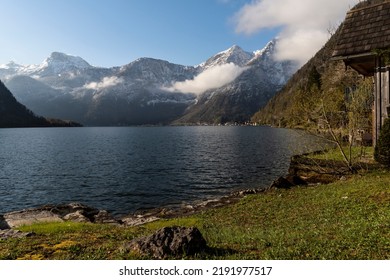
x=14, y=114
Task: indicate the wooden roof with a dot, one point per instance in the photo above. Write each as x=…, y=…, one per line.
x=366, y=28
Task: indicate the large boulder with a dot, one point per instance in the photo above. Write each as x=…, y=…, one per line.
x=170, y=242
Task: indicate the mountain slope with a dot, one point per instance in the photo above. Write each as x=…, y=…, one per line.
x=240, y=99
x=14, y=114
x=142, y=92
x=320, y=80
x=67, y=87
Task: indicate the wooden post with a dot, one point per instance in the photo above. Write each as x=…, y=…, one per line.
x=385, y=93
x=377, y=101
x=382, y=99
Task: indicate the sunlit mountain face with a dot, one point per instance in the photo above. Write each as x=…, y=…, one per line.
x=229, y=86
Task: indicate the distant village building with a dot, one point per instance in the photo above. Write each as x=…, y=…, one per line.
x=364, y=45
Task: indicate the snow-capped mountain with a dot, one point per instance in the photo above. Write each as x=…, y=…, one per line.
x=238, y=100
x=234, y=55
x=55, y=64
x=150, y=71
x=10, y=69
x=11, y=66
x=278, y=72
x=58, y=63
x=68, y=87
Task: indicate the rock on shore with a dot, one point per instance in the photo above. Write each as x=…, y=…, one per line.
x=56, y=213
x=11, y=233
x=307, y=171
x=169, y=242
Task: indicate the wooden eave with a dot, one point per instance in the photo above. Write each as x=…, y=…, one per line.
x=365, y=30
x=363, y=63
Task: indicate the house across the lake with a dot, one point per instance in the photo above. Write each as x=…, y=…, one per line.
x=364, y=45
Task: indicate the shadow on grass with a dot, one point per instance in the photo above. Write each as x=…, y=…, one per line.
x=216, y=253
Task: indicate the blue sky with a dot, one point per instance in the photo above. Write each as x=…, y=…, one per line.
x=116, y=32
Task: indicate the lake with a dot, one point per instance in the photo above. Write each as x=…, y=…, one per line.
x=124, y=169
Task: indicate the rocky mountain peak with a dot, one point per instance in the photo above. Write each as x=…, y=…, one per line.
x=10, y=65
x=234, y=54
x=268, y=50
x=63, y=61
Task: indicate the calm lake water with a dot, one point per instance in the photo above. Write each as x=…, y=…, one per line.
x=124, y=169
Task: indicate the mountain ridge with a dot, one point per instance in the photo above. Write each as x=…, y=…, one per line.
x=236, y=102
x=68, y=87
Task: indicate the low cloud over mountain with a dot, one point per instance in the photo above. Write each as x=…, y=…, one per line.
x=104, y=83
x=211, y=78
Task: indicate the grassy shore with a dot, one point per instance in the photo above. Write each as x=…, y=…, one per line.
x=348, y=219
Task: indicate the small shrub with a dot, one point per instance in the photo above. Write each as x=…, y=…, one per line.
x=382, y=148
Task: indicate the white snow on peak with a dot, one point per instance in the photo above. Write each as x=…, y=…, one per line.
x=11, y=65
x=59, y=62
x=234, y=54
x=55, y=64
x=267, y=49
x=230, y=50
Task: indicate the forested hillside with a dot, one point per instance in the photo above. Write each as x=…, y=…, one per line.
x=320, y=90
x=14, y=114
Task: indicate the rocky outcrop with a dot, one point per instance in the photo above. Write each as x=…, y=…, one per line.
x=136, y=220
x=169, y=242
x=11, y=233
x=30, y=216
x=151, y=215
x=304, y=170
x=314, y=171
x=283, y=183
x=56, y=213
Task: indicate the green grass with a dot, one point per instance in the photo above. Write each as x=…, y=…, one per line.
x=343, y=220
x=358, y=153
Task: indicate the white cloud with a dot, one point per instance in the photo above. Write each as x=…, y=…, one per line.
x=104, y=83
x=214, y=77
x=304, y=23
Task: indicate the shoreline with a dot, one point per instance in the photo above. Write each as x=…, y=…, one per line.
x=335, y=221
x=302, y=171
x=79, y=212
